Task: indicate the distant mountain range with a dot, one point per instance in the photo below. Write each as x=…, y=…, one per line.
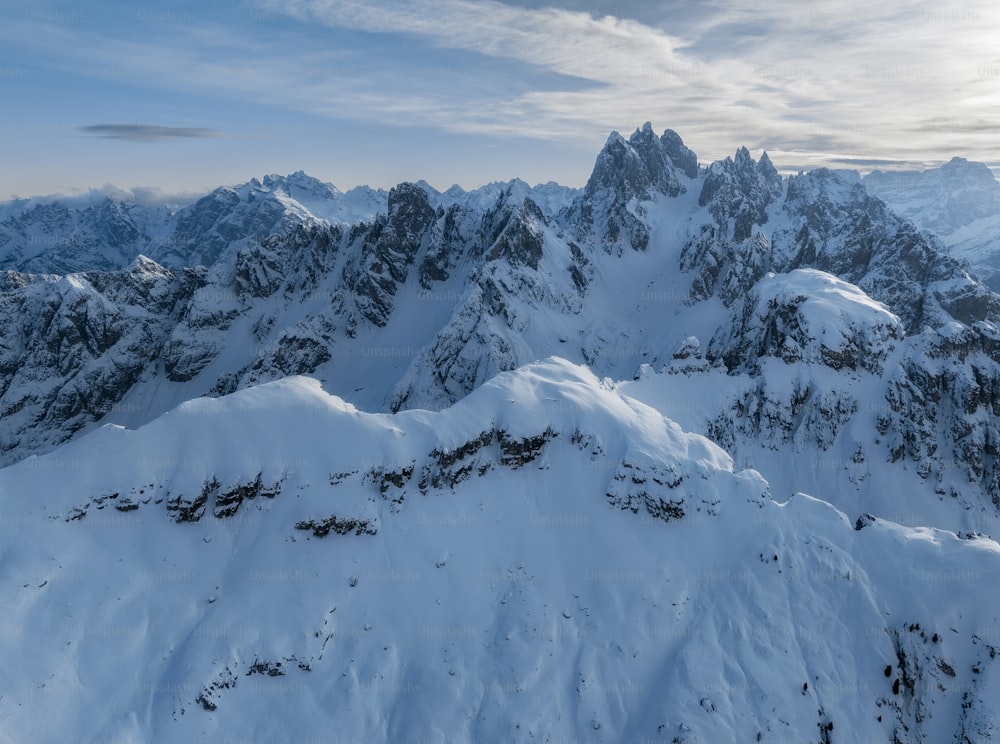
x=958, y=202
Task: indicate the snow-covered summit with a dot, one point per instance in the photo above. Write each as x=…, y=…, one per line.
x=809, y=316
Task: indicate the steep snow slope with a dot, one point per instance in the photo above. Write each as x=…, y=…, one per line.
x=544, y=561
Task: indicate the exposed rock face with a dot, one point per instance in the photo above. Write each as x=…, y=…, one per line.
x=943, y=407
x=229, y=500
x=72, y=347
x=782, y=335
x=807, y=316
x=388, y=251
x=517, y=237
x=448, y=468
x=728, y=255
x=654, y=490
x=338, y=526
x=738, y=192
x=627, y=173
x=642, y=165
x=443, y=255
x=518, y=265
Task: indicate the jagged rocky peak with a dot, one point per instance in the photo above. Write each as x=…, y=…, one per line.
x=643, y=164
x=739, y=190
x=748, y=171
x=680, y=154
x=825, y=197
x=662, y=156
x=409, y=215
x=409, y=207
x=827, y=184
x=627, y=174
x=387, y=252
x=516, y=234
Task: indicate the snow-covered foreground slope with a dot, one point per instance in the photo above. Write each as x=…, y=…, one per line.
x=546, y=560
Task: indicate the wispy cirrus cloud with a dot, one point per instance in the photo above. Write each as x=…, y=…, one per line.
x=148, y=132
x=628, y=70
x=772, y=76
x=833, y=82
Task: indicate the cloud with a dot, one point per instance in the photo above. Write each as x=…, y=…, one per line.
x=771, y=76
x=148, y=132
x=955, y=125
x=870, y=162
x=146, y=195
x=826, y=83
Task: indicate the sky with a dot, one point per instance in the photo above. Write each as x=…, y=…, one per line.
x=181, y=96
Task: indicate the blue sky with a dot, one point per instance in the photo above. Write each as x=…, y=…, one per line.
x=184, y=97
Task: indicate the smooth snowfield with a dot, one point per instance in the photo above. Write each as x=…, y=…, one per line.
x=522, y=604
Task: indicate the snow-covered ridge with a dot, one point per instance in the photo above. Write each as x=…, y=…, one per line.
x=546, y=560
x=295, y=420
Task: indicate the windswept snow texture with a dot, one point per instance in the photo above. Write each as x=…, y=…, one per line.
x=547, y=560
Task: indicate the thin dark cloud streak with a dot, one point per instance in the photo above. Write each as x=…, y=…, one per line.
x=149, y=133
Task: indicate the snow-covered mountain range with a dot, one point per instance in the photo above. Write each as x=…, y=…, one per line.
x=626, y=522
x=958, y=202
x=106, y=234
